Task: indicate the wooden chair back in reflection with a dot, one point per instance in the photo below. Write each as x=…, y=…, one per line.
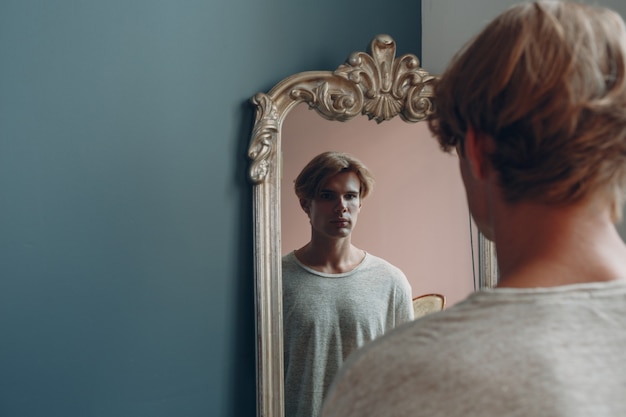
x=427, y=304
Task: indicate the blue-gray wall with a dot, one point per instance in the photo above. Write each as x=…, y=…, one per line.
x=125, y=214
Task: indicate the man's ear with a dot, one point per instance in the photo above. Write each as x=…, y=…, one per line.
x=477, y=149
x=305, y=204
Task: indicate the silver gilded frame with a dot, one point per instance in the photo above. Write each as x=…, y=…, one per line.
x=378, y=85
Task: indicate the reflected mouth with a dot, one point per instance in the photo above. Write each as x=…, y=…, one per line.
x=341, y=221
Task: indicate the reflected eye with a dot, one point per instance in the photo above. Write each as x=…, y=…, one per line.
x=325, y=196
x=352, y=196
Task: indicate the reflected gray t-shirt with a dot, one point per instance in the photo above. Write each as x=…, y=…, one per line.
x=327, y=316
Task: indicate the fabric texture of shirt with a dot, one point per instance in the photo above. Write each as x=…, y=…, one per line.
x=554, y=352
x=327, y=316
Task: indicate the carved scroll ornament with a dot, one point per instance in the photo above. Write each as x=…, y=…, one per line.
x=377, y=85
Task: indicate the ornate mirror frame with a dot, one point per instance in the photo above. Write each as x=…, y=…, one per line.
x=375, y=84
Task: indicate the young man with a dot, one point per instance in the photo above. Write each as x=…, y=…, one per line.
x=536, y=108
x=336, y=296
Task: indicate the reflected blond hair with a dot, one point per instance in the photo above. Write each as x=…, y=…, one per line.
x=326, y=165
x=547, y=81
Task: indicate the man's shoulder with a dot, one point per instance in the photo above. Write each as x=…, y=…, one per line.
x=288, y=259
x=383, y=364
x=420, y=351
x=374, y=261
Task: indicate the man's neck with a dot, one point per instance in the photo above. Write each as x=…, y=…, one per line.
x=544, y=246
x=333, y=257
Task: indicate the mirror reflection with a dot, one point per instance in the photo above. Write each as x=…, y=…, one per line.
x=337, y=296
x=416, y=216
x=339, y=291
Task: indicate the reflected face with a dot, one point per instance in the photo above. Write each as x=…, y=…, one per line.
x=334, y=211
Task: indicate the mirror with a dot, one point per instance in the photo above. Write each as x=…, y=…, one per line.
x=378, y=85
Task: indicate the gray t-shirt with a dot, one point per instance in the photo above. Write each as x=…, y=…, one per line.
x=504, y=352
x=327, y=316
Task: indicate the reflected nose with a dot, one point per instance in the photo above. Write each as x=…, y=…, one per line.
x=342, y=205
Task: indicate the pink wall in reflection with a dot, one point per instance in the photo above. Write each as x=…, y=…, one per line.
x=416, y=217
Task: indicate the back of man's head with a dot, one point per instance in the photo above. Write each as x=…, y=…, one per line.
x=547, y=81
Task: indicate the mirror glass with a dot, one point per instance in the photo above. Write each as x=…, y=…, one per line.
x=416, y=217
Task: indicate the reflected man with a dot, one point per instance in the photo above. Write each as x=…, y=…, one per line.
x=336, y=296
x=536, y=108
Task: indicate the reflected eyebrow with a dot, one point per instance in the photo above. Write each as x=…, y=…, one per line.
x=325, y=190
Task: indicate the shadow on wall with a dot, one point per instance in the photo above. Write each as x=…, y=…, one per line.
x=244, y=381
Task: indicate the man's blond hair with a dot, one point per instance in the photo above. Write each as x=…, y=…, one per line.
x=326, y=165
x=547, y=81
